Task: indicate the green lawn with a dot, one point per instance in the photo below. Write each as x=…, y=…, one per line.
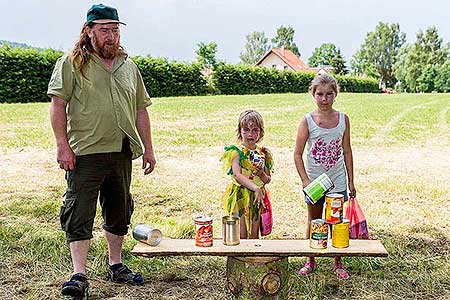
x=401, y=146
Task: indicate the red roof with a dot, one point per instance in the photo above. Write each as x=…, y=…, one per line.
x=288, y=57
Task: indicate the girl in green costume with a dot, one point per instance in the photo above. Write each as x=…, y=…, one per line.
x=250, y=167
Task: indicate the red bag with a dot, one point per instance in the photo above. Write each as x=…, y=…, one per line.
x=266, y=224
x=358, y=222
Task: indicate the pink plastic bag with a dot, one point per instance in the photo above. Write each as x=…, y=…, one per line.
x=266, y=217
x=358, y=222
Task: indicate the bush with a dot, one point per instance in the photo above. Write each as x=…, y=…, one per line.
x=354, y=84
x=163, y=78
x=25, y=73
x=241, y=79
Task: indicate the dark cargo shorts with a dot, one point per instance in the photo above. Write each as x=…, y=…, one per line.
x=108, y=174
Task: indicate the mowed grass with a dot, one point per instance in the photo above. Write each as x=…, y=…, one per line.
x=401, y=146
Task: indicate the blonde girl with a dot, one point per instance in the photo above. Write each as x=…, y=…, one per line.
x=250, y=167
x=326, y=133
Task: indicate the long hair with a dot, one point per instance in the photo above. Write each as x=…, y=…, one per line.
x=81, y=53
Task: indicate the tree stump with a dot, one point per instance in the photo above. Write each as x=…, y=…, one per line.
x=258, y=278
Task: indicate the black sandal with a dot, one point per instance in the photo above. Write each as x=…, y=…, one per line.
x=124, y=275
x=76, y=287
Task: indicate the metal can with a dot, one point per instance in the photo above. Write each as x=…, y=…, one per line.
x=318, y=234
x=317, y=188
x=334, y=207
x=340, y=237
x=147, y=234
x=203, y=231
x=230, y=230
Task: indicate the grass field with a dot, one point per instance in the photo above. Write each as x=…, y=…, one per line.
x=401, y=147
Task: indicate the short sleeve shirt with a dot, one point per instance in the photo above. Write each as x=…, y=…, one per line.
x=102, y=104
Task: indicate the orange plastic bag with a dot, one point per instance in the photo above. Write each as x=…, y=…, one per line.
x=358, y=222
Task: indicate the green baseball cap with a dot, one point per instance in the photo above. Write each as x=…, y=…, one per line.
x=102, y=14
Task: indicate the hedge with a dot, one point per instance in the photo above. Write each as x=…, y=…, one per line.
x=163, y=78
x=355, y=84
x=25, y=74
x=241, y=79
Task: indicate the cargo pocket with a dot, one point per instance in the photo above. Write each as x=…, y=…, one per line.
x=130, y=208
x=65, y=214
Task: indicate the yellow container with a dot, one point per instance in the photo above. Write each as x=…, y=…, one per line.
x=341, y=234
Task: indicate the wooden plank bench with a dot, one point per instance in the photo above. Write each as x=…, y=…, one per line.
x=282, y=248
x=257, y=269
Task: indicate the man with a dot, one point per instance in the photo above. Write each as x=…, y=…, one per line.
x=98, y=112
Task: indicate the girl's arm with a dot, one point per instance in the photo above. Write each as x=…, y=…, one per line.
x=300, y=142
x=348, y=157
x=240, y=178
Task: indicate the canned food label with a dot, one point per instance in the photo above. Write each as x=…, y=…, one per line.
x=318, y=237
x=203, y=232
x=334, y=208
x=341, y=237
x=318, y=187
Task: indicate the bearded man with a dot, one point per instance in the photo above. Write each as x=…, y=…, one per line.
x=99, y=119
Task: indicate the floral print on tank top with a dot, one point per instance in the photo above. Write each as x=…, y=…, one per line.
x=326, y=154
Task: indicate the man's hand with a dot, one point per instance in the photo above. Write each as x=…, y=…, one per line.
x=148, y=162
x=65, y=157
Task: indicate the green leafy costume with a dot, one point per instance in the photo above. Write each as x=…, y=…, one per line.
x=238, y=199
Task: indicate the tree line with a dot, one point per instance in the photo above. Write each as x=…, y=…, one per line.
x=421, y=66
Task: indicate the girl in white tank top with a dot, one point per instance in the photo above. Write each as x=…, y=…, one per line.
x=325, y=133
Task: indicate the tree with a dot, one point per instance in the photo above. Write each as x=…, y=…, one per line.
x=257, y=45
x=379, y=52
x=206, y=54
x=328, y=55
x=442, y=81
x=418, y=63
x=338, y=64
x=285, y=38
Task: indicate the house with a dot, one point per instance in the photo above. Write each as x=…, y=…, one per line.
x=282, y=59
x=322, y=69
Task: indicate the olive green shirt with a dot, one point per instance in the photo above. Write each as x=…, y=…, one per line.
x=102, y=105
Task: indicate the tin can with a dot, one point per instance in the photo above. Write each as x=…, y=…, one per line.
x=317, y=188
x=147, y=234
x=334, y=208
x=340, y=237
x=203, y=231
x=318, y=234
x=230, y=230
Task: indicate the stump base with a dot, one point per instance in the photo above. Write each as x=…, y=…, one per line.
x=258, y=278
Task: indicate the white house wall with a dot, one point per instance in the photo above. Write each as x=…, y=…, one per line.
x=273, y=59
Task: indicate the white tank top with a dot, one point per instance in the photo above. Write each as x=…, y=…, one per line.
x=325, y=153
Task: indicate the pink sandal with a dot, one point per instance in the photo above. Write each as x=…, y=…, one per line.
x=340, y=272
x=307, y=268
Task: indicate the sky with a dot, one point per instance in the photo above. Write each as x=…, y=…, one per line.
x=173, y=28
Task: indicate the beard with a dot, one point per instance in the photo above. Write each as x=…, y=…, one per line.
x=107, y=50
